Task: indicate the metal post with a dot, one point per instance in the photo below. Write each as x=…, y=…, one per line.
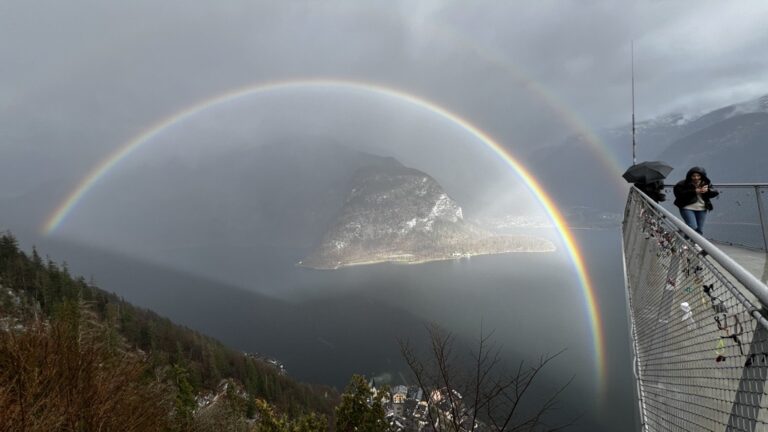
x=634, y=145
x=761, y=214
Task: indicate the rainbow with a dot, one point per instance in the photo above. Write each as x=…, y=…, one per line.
x=103, y=168
x=568, y=117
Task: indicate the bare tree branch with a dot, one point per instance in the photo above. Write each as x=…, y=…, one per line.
x=417, y=368
x=489, y=395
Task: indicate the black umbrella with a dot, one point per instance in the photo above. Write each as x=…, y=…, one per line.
x=647, y=172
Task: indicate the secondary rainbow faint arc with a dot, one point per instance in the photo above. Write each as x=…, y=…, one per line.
x=551, y=100
x=98, y=172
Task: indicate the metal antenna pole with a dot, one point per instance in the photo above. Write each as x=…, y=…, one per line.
x=634, y=144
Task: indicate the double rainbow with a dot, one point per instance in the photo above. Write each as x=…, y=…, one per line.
x=105, y=166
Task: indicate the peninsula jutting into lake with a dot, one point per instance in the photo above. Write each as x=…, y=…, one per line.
x=402, y=215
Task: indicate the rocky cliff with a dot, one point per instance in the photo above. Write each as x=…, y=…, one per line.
x=398, y=214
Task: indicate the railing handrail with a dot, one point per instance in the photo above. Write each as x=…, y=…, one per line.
x=750, y=282
x=730, y=185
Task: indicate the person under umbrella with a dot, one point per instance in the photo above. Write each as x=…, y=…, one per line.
x=649, y=178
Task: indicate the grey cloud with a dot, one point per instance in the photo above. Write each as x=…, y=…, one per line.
x=92, y=75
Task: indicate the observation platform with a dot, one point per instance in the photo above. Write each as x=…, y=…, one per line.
x=754, y=261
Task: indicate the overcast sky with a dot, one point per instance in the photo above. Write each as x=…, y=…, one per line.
x=78, y=79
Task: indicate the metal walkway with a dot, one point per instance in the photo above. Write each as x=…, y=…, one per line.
x=699, y=336
x=754, y=261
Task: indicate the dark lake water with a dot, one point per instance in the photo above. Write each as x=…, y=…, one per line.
x=326, y=325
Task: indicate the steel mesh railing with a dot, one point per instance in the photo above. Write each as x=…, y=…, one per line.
x=699, y=337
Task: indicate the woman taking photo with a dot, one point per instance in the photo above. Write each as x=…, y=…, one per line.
x=692, y=197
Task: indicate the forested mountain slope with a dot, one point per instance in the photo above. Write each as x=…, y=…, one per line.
x=73, y=355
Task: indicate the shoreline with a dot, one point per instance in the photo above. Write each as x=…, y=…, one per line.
x=394, y=260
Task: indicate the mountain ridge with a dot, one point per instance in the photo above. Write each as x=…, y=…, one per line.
x=682, y=140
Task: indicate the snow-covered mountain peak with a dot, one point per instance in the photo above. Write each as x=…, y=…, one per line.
x=666, y=120
x=758, y=105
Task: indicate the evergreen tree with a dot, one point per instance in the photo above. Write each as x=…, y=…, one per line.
x=9, y=246
x=359, y=410
x=311, y=422
x=268, y=419
x=185, y=397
